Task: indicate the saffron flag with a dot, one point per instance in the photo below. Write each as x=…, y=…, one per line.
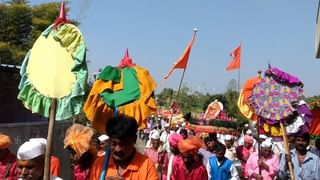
x=235, y=62
x=183, y=60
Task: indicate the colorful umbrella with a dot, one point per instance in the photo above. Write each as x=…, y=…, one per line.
x=275, y=100
x=54, y=76
x=55, y=67
x=127, y=89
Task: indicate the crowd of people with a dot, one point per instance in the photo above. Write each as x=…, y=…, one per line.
x=170, y=153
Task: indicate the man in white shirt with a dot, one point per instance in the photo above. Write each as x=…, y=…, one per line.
x=230, y=148
x=164, y=136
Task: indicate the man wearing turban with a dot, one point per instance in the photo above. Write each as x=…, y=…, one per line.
x=7, y=159
x=172, y=156
x=268, y=162
x=186, y=167
x=244, y=151
x=78, y=142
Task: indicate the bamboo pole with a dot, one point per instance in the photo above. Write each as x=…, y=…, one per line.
x=259, y=152
x=287, y=150
x=258, y=124
x=52, y=119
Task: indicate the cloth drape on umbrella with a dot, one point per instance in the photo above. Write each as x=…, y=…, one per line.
x=245, y=93
x=315, y=125
x=129, y=89
x=55, y=67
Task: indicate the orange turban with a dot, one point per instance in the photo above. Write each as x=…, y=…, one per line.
x=191, y=145
x=4, y=141
x=78, y=138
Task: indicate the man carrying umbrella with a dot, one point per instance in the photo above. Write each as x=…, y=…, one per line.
x=306, y=165
x=124, y=162
x=268, y=162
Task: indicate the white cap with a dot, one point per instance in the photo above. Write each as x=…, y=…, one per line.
x=103, y=137
x=246, y=125
x=41, y=140
x=155, y=135
x=228, y=137
x=166, y=125
x=267, y=143
x=249, y=131
x=30, y=150
x=263, y=136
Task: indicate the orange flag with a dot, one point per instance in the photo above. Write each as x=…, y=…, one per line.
x=235, y=62
x=183, y=60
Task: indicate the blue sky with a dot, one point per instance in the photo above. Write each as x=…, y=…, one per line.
x=157, y=32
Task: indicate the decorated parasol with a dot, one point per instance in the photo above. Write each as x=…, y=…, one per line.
x=54, y=75
x=275, y=99
x=127, y=89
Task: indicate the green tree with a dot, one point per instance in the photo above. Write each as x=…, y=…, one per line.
x=43, y=16
x=18, y=2
x=21, y=25
x=15, y=28
x=165, y=98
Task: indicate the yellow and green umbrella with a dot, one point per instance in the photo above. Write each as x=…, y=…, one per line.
x=54, y=76
x=127, y=89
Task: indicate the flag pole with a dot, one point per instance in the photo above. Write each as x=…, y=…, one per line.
x=239, y=80
x=180, y=84
x=239, y=73
x=184, y=70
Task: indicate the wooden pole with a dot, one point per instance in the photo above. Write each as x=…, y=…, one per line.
x=52, y=119
x=259, y=152
x=239, y=71
x=175, y=100
x=287, y=150
x=184, y=70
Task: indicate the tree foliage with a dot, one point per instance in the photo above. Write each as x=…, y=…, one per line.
x=15, y=29
x=20, y=25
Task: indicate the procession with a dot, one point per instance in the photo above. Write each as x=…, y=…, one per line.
x=61, y=121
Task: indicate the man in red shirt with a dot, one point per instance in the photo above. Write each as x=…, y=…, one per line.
x=186, y=167
x=7, y=159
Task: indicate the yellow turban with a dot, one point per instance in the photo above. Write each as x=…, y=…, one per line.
x=4, y=141
x=191, y=145
x=78, y=138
